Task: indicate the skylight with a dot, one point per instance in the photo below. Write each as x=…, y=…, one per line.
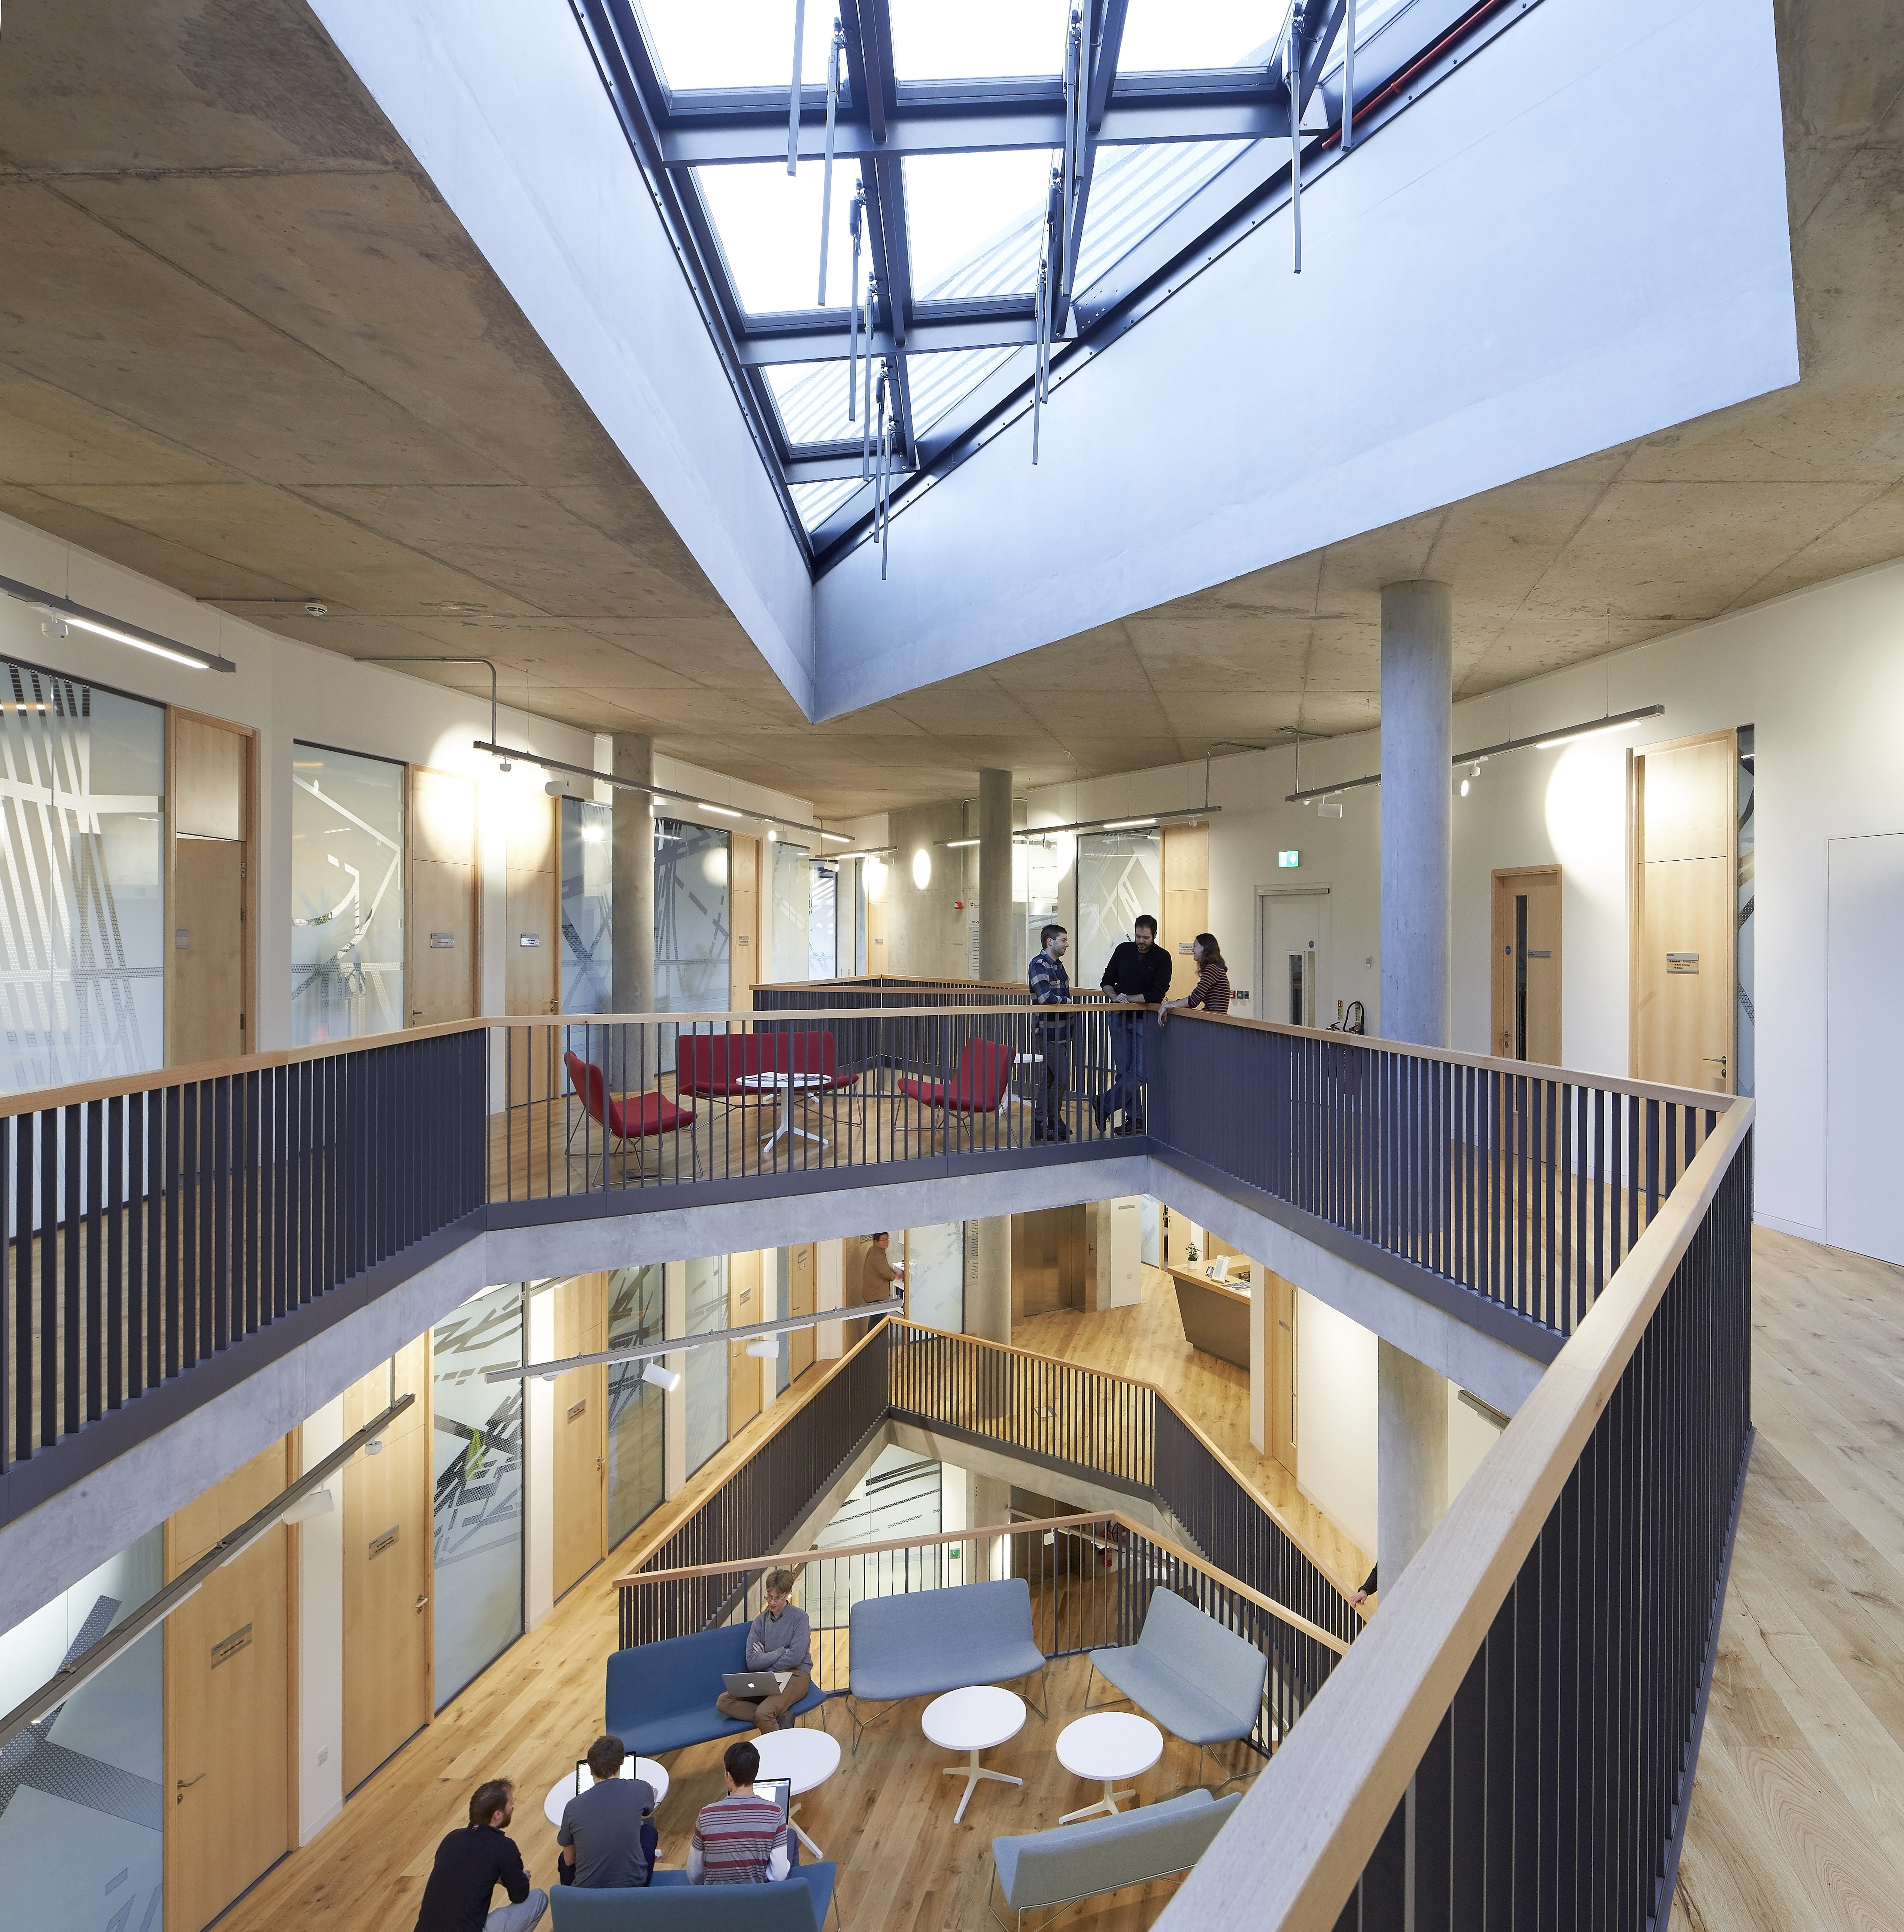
x=1164, y=121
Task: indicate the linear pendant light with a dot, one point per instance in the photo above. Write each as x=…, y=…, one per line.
x=64, y=611
x=1543, y=741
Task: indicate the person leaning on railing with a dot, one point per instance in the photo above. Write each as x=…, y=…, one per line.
x=1137, y=974
x=1212, y=989
x=1050, y=985
x=779, y=1640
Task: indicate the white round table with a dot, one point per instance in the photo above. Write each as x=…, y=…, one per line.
x=974, y=1720
x=1109, y=1744
x=566, y=1788
x=787, y=1086
x=804, y=1759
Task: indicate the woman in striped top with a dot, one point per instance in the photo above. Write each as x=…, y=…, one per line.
x=1212, y=992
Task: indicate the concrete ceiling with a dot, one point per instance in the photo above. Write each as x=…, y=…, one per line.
x=245, y=348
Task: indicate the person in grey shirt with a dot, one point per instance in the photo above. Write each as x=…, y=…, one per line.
x=607, y=1837
x=781, y=1639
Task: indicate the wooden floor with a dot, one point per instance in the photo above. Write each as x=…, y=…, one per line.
x=1798, y=1815
x=1146, y=1343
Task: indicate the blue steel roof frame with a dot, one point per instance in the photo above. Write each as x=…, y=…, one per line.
x=880, y=120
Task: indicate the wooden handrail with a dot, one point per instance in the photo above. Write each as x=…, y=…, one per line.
x=798, y=1559
x=1327, y=1796
x=1268, y=1508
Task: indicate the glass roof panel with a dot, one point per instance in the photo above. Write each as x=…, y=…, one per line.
x=933, y=41
x=811, y=398
x=739, y=43
x=972, y=220
x=940, y=380
x=769, y=224
x=1135, y=190
x=816, y=502
x=1160, y=35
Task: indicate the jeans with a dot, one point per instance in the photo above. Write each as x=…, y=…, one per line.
x=1048, y=1117
x=1126, y=1089
x=517, y=1918
x=765, y=1713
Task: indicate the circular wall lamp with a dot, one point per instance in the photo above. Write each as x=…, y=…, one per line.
x=922, y=868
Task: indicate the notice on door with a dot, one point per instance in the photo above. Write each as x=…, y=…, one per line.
x=1682, y=962
x=226, y=1648
x=388, y=1540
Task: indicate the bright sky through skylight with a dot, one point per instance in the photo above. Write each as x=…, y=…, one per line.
x=955, y=204
x=933, y=40
x=769, y=223
x=1161, y=34
x=737, y=43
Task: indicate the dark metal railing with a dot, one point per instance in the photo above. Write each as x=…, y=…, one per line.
x=154, y=1222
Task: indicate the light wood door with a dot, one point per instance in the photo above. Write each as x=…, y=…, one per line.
x=1526, y=932
x=227, y=1701
x=440, y=972
x=206, y=1002
x=1186, y=908
x=1279, y=1411
x=388, y=1568
x=1684, y=924
x=579, y=1467
x=746, y=1305
x=802, y=1279
x=744, y=928
x=533, y=956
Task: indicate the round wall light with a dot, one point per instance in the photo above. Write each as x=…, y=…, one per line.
x=922, y=868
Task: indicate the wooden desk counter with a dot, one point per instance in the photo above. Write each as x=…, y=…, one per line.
x=1216, y=1314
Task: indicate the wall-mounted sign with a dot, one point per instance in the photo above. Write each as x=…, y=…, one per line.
x=580, y=1409
x=1682, y=962
x=182, y=938
x=529, y=939
x=1287, y=859
x=442, y=942
x=388, y=1540
x=226, y=1648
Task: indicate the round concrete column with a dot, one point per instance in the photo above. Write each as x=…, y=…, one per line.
x=997, y=952
x=1411, y=1476
x=1417, y=789
x=632, y=875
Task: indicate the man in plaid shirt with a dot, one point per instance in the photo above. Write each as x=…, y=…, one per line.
x=1051, y=986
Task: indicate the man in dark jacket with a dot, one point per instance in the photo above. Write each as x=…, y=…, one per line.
x=472, y=1862
x=1138, y=975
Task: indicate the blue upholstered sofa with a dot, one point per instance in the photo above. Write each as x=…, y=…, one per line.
x=661, y=1695
x=1039, y=1869
x=929, y=1641
x=798, y=1903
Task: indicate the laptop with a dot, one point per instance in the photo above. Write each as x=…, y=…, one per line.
x=754, y=1683
x=585, y=1778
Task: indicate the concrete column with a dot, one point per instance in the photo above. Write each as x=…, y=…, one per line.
x=988, y=1307
x=633, y=875
x=1411, y=1487
x=997, y=950
x=1417, y=789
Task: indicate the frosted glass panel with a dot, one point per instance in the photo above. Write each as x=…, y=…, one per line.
x=822, y=930
x=706, y=1367
x=635, y=1315
x=935, y=1275
x=477, y=1461
x=793, y=878
x=587, y=907
x=1119, y=875
x=82, y=899
x=82, y=1799
x=346, y=896
x=690, y=918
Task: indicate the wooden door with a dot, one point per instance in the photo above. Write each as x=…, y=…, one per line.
x=1684, y=923
x=1279, y=1410
x=439, y=971
x=803, y=1273
x=208, y=977
x=744, y=966
x=746, y=1305
x=531, y=966
x=580, y=1465
x=228, y=1797
x=1525, y=931
x=388, y=1568
x=1186, y=909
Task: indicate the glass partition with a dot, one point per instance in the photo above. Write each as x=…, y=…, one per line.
x=636, y=1314
x=82, y=886
x=935, y=1275
x=587, y=907
x=792, y=912
x=1119, y=875
x=82, y=1795
x=477, y=1460
x=690, y=918
x=347, y=895
x=822, y=928
x=706, y=1367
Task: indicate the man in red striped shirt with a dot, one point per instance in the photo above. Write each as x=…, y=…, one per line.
x=739, y=1839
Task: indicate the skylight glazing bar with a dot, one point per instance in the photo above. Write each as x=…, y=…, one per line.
x=793, y=96
x=1349, y=80
x=826, y=179
x=1292, y=75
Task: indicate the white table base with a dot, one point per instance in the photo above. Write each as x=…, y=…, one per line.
x=784, y=1128
x=1107, y=1803
x=971, y=1773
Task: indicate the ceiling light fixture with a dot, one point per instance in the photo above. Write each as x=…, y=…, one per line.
x=955, y=845
x=725, y=810
x=1126, y=824
x=838, y=837
x=63, y=611
x=1589, y=731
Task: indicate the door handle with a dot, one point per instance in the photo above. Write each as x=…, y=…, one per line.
x=185, y=1785
x=420, y=1602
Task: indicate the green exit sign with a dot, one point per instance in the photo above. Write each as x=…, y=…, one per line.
x=1289, y=858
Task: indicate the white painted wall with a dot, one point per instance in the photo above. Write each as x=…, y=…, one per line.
x=1819, y=673
x=1562, y=246
x=1335, y=1416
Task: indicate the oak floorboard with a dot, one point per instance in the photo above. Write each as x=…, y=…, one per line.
x=1797, y=1820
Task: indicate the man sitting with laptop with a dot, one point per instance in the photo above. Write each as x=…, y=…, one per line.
x=743, y=1839
x=779, y=1662
x=607, y=1836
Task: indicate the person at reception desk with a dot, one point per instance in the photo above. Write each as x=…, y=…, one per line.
x=879, y=1272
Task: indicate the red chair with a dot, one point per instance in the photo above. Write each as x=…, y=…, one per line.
x=979, y=1085
x=639, y=1117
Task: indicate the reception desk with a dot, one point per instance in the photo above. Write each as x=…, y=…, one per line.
x=1216, y=1318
